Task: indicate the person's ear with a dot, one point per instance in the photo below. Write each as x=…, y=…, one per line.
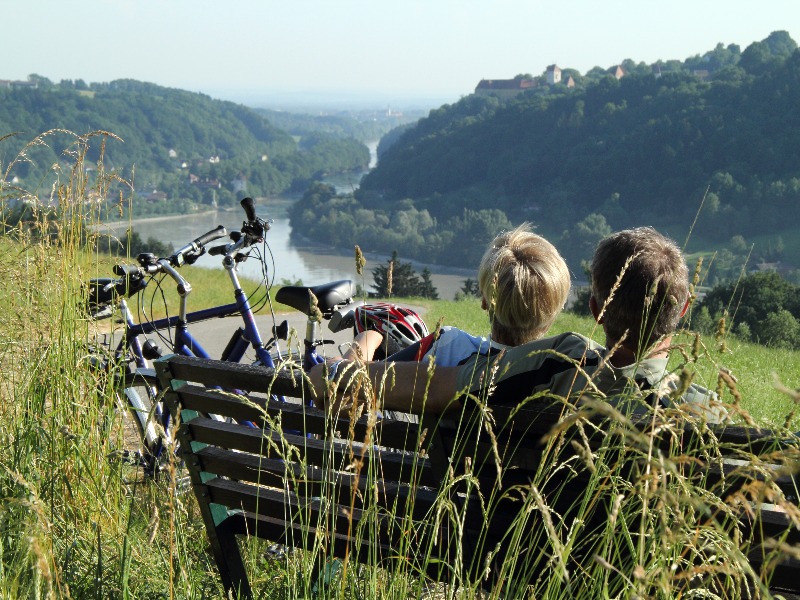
x=685, y=307
x=484, y=304
x=595, y=310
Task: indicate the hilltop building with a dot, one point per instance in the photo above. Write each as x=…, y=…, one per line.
x=553, y=75
x=7, y=83
x=617, y=71
x=505, y=88
x=508, y=88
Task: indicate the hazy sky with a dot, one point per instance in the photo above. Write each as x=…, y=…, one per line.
x=433, y=49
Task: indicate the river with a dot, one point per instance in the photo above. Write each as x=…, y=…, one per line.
x=293, y=259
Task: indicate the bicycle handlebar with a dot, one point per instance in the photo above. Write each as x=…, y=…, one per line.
x=127, y=270
x=212, y=235
x=197, y=245
x=249, y=208
x=252, y=232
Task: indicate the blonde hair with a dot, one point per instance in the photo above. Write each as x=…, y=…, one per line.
x=525, y=284
x=652, y=291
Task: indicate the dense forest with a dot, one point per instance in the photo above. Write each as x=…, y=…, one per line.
x=174, y=146
x=721, y=130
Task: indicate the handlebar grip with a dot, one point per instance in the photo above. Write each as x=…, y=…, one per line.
x=212, y=235
x=249, y=208
x=217, y=250
x=126, y=270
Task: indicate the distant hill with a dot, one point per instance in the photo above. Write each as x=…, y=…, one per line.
x=363, y=125
x=636, y=144
x=176, y=145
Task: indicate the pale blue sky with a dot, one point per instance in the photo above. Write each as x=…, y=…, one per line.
x=433, y=49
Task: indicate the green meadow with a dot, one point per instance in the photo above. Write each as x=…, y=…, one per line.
x=76, y=522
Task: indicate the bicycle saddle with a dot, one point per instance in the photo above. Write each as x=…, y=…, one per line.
x=328, y=295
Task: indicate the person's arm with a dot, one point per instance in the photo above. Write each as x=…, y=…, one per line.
x=364, y=345
x=402, y=386
x=411, y=387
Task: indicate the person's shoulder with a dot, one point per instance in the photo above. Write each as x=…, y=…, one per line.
x=558, y=352
x=453, y=336
x=448, y=331
x=569, y=343
x=699, y=400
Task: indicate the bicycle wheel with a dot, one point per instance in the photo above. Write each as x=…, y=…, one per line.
x=144, y=429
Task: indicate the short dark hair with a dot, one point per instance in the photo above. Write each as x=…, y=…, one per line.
x=652, y=290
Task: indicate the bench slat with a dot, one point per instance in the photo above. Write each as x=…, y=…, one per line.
x=227, y=375
x=298, y=509
x=393, y=465
x=341, y=486
x=295, y=416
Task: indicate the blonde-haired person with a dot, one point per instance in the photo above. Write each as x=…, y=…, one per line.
x=524, y=284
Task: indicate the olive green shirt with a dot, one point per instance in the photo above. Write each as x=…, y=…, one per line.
x=571, y=366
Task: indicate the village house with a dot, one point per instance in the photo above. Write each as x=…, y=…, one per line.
x=508, y=88
x=154, y=196
x=8, y=83
x=617, y=71
x=505, y=88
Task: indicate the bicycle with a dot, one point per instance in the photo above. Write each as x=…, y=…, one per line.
x=131, y=358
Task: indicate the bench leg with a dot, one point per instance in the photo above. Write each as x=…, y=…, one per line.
x=326, y=575
x=229, y=561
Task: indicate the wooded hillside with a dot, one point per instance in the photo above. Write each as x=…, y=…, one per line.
x=181, y=144
x=608, y=153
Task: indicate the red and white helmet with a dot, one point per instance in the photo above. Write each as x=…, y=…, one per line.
x=401, y=324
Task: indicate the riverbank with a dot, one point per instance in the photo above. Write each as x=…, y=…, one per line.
x=292, y=258
x=125, y=223
x=374, y=257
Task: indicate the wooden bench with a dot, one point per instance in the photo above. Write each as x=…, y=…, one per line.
x=545, y=494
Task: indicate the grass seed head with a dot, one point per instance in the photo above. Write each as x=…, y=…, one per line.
x=360, y=260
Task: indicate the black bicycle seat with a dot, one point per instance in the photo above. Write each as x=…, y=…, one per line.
x=104, y=290
x=328, y=295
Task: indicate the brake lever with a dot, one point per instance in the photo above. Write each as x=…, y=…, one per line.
x=191, y=257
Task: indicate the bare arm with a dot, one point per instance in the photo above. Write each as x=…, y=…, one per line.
x=404, y=386
x=410, y=387
x=364, y=345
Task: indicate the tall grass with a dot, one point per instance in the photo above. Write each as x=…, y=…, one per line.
x=74, y=523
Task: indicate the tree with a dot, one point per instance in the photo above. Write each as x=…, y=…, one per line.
x=399, y=279
x=578, y=244
x=780, y=43
x=701, y=321
x=426, y=288
x=756, y=300
x=472, y=231
x=780, y=330
x=738, y=245
x=470, y=288
x=583, y=293
x=756, y=58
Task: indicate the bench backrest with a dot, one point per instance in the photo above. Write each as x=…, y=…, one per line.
x=494, y=491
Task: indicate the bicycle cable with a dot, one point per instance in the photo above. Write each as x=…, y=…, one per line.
x=165, y=334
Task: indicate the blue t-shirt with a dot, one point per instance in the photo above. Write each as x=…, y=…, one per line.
x=449, y=347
